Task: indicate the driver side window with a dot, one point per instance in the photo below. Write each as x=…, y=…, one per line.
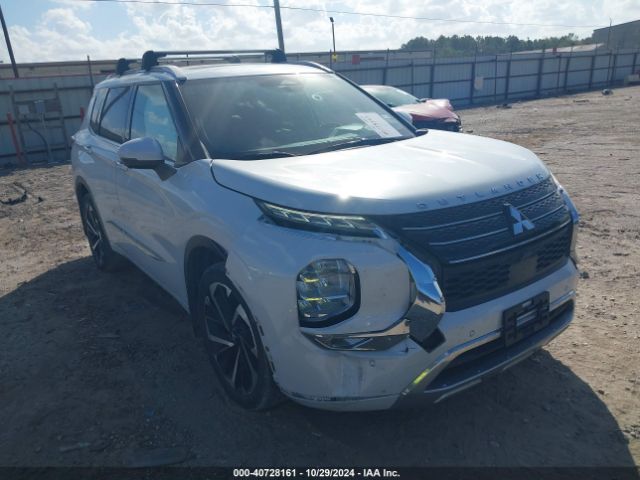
x=151, y=117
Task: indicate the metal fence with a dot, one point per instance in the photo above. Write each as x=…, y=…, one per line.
x=499, y=78
x=32, y=135
x=467, y=81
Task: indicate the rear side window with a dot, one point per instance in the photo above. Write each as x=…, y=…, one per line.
x=114, y=114
x=97, y=108
x=151, y=117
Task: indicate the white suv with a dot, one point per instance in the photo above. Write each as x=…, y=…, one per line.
x=324, y=248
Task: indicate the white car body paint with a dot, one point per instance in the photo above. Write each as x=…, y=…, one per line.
x=150, y=221
x=435, y=170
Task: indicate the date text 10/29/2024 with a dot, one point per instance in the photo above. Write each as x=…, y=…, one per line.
x=315, y=473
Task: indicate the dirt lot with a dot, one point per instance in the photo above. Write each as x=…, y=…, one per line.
x=103, y=369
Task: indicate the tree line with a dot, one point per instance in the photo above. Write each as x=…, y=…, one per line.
x=466, y=45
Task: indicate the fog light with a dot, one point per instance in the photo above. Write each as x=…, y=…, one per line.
x=328, y=292
x=362, y=341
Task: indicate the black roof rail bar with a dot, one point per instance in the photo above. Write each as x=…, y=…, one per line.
x=123, y=65
x=151, y=57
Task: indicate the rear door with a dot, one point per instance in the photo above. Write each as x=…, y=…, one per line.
x=99, y=151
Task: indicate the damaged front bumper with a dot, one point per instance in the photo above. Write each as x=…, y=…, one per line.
x=420, y=321
x=485, y=356
x=456, y=364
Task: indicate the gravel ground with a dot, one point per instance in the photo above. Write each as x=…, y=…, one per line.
x=103, y=369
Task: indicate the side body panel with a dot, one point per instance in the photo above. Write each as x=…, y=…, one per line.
x=94, y=160
x=158, y=218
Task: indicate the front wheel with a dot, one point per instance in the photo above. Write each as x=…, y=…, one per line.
x=232, y=342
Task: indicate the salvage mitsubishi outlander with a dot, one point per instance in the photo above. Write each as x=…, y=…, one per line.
x=326, y=250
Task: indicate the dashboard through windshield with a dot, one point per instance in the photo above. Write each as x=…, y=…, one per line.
x=280, y=115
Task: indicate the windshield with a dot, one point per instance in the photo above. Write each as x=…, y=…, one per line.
x=393, y=97
x=282, y=115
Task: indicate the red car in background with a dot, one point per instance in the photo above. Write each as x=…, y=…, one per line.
x=425, y=112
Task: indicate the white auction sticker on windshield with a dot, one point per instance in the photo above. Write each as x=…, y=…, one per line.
x=378, y=124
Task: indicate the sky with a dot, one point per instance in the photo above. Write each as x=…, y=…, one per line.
x=52, y=30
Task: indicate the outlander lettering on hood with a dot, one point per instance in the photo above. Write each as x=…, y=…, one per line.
x=421, y=173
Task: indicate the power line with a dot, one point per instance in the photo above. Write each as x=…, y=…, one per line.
x=343, y=12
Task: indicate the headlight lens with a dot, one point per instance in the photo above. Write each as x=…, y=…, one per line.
x=575, y=217
x=344, y=224
x=328, y=292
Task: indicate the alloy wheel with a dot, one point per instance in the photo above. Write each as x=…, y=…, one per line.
x=230, y=339
x=94, y=234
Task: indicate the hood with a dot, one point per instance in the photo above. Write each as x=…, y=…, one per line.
x=433, y=171
x=432, y=109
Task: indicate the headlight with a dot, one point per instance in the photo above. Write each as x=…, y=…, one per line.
x=328, y=292
x=575, y=217
x=320, y=222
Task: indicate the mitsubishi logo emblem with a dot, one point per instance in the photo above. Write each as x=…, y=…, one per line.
x=519, y=222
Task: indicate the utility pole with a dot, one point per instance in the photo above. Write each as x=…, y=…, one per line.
x=333, y=34
x=276, y=8
x=8, y=41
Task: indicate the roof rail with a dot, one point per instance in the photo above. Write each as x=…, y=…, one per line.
x=151, y=57
x=123, y=65
x=317, y=65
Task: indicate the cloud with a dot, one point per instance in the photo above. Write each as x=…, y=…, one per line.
x=59, y=34
x=64, y=20
x=65, y=31
x=74, y=4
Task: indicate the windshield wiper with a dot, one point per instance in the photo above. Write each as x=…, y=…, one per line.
x=260, y=155
x=360, y=142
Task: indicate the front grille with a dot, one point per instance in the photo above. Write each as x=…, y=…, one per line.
x=469, y=283
x=474, y=250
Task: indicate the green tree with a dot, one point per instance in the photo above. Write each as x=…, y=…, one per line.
x=466, y=45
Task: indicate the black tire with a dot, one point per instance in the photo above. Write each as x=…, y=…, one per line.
x=106, y=259
x=232, y=341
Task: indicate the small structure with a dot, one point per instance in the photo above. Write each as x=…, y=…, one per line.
x=624, y=35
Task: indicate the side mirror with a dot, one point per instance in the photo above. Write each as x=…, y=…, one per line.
x=422, y=100
x=145, y=152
